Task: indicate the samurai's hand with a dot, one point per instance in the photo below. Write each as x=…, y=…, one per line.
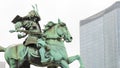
x=12, y=31
x=21, y=36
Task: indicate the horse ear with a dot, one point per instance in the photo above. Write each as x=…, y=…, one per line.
x=61, y=23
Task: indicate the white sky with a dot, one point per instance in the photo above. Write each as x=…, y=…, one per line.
x=69, y=11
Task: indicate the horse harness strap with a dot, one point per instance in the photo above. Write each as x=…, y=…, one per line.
x=59, y=39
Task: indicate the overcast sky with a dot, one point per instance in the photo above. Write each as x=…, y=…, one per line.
x=69, y=11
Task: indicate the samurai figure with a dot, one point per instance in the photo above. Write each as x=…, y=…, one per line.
x=30, y=26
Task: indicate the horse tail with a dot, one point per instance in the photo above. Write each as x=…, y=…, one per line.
x=2, y=49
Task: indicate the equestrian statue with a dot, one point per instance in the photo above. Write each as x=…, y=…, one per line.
x=41, y=48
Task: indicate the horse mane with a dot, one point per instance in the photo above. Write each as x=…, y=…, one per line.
x=49, y=27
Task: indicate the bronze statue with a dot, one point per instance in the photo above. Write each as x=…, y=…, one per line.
x=40, y=48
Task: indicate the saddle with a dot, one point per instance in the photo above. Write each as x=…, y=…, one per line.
x=34, y=51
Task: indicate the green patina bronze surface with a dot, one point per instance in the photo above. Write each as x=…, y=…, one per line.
x=41, y=48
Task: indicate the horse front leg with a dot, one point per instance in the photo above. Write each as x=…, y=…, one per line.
x=76, y=57
x=64, y=64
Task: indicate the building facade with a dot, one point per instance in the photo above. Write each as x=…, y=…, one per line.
x=100, y=39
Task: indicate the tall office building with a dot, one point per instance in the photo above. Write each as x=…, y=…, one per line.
x=100, y=39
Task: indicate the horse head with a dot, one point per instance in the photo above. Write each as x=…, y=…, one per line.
x=63, y=32
x=57, y=30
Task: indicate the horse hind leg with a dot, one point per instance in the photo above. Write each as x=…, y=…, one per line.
x=13, y=63
x=76, y=57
